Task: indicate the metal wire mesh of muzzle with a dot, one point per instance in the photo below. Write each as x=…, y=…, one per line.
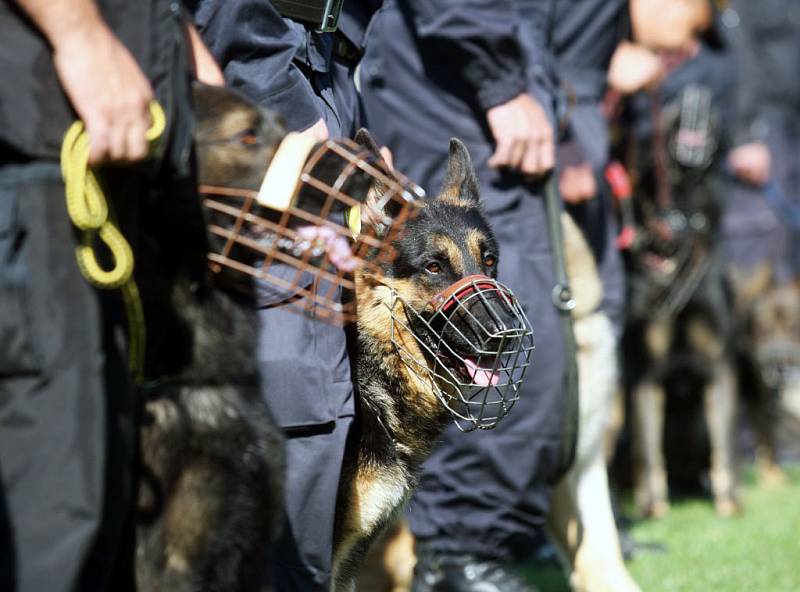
x=472, y=345
x=343, y=198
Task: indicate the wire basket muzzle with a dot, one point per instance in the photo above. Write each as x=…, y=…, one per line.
x=288, y=247
x=474, y=345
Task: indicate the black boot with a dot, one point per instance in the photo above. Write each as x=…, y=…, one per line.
x=464, y=573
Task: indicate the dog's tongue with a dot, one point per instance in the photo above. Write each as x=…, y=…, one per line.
x=480, y=376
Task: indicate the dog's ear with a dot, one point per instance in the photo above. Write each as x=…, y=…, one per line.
x=371, y=217
x=365, y=139
x=461, y=185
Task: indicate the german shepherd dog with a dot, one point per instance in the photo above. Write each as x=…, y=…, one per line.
x=211, y=490
x=581, y=520
x=678, y=336
x=210, y=494
x=768, y=359
x=399, y=417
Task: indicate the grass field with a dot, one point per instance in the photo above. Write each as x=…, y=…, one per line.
x=758, y=551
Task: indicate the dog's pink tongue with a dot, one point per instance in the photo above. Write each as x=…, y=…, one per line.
x=480, y=376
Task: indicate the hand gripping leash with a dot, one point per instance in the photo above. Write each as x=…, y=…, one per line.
x=88, y=209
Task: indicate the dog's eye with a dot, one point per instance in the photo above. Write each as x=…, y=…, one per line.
x=489, y=260
x=249, y=137
x=433, y=267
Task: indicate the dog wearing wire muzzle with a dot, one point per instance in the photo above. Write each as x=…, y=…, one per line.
x=211, y=482
x=434, y=343
x=211, y=495
x=438, y=340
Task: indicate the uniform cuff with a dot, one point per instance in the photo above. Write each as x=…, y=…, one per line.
x=496, y=92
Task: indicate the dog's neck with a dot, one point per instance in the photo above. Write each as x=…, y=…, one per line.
x=395, y=407
x=400, y=414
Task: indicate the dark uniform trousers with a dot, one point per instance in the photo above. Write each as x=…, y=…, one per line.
x=67, y=430
x=61, y=436
x=585, y=36
x=784, y=143
x=597, y=218
x=486, y=491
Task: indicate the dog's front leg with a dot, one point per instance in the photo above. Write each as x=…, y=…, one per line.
x=651, y=475
x=765, y=414
x=720, y=411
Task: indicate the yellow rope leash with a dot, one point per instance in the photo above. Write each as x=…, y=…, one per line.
x=88, y=209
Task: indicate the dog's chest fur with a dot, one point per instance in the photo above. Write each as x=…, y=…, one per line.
x=375, y=496
x=395, y=429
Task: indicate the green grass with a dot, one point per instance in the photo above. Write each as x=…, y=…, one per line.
x=758, y=551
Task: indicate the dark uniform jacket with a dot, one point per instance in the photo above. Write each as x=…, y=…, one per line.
x=35, y=113
x=585, y=35
x=281, y=64
x=766, y=37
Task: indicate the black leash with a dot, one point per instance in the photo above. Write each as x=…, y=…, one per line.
x=564, y=303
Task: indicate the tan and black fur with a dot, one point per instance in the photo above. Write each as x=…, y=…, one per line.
x=398, y=416
x=767, y=318
x=210, y=488
x=581, y=520
x=677, y=343
x=685, y=355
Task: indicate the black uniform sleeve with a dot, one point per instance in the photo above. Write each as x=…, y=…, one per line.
x=480, y=39
x=256, y=49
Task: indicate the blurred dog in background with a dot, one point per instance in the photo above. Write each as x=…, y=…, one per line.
x=768, y=360
x=210, y=495
x=677, y=342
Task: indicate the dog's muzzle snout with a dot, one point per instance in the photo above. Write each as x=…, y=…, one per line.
x=476, y=343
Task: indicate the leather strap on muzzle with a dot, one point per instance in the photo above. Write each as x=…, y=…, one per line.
x=463, y=288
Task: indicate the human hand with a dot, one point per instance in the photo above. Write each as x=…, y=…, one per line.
x=523, y=136
x=577, y=184
x=751, y=163
x=336, y=246
x=206, y=69
x=634, y=68
x=318, y=131
x=108, y=90
x=669, y=24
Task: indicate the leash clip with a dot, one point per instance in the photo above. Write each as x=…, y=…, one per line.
x=563, y=298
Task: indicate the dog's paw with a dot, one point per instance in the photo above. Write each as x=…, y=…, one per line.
x=659, y=509
x=727, y=507
x=656, y=509
x=771, y=475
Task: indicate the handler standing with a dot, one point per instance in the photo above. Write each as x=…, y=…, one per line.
x=478, y=71
x=67, y=429
x=765, y=37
